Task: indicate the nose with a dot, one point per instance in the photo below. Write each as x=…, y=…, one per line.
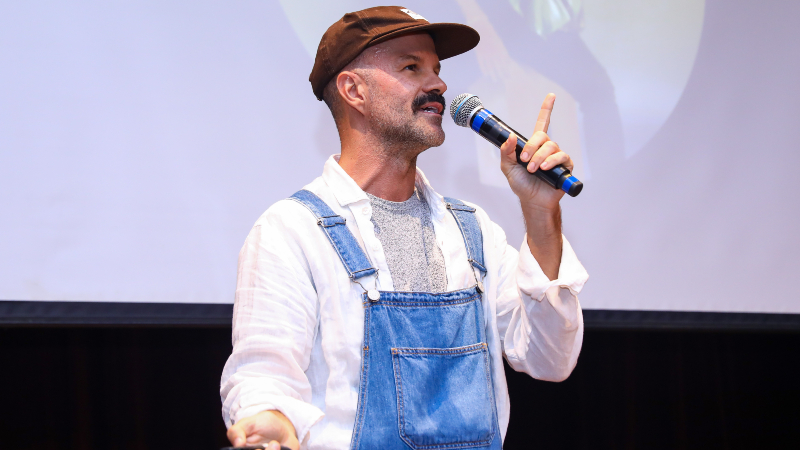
x=436, y=84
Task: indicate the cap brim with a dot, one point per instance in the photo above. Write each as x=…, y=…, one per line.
x=450, y=39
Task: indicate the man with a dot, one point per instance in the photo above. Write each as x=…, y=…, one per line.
x=370, y=311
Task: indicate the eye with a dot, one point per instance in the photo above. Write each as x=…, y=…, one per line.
x=410, y=67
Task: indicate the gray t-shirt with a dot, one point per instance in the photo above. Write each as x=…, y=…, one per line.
x=406, y=232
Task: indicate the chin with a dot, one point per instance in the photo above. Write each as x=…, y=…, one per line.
x=437, y=139
x=434, y=134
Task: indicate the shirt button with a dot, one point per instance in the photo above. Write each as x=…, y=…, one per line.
x=365, y=211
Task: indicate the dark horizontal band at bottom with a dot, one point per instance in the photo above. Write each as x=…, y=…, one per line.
x=54, y=313
x=689, y=320
x=114, y=313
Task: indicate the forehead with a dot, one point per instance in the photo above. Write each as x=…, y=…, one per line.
x=419, y=45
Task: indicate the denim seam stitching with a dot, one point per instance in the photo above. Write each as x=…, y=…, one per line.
x=401, y=405
x=362, y=391
x=490, y=390
x=482, y=348
x=328, y=235
x=350, y=272
x=331, y=223
x=425, y=304
x=458, y=204
x=469, y=242
x=467, y=238
x=467, y=349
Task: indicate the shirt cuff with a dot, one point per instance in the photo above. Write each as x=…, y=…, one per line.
x=302, y=415
x=533, y=282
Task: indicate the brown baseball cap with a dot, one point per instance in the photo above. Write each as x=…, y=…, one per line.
x=355, y=31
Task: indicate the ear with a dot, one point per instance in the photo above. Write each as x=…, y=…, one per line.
x=353, y=90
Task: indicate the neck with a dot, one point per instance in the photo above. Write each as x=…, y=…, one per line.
x=387, y=172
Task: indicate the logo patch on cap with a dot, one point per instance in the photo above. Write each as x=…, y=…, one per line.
x=413, y=15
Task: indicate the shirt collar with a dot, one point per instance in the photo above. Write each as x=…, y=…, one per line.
x=344, y=188
x=435, y=201
x=347, y=191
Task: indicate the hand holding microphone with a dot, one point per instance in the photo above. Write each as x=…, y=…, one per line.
x=539, y=155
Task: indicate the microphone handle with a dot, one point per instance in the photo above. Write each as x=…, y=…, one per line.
x=497, y=132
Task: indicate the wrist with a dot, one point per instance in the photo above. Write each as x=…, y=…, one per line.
x=546, y=250
x=538, y=211
x=287, y=424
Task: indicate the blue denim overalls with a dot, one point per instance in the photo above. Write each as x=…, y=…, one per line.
x=426, y=380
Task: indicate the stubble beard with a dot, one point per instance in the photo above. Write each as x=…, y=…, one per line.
x=403, y=131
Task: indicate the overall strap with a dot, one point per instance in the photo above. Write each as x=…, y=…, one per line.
x=470, y=230
x=353, y=257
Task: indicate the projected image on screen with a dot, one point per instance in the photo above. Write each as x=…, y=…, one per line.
x=620, y=68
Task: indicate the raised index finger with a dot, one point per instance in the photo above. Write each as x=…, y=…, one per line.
x=543, y=121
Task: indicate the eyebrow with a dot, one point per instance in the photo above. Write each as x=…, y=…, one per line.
x=416, y=58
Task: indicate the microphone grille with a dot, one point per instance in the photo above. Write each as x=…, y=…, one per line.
x=462, y=107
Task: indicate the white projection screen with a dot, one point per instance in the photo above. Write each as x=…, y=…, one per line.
x=140, y=141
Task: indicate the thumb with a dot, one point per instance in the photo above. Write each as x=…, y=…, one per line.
x=508, y=147
x=237, y=436
x=508, y=155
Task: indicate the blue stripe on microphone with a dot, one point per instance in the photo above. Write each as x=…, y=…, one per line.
x=568, y=183
x=480, y=116
x=458, y=108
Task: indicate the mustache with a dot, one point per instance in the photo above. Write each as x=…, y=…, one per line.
x=425, y=98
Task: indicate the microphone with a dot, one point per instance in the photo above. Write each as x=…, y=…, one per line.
x=468, y=111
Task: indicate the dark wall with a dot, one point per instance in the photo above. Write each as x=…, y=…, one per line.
x=670, y=390
x=157, y=388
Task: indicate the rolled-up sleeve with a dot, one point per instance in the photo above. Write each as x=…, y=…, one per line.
x=274, y=321
x=539, y=320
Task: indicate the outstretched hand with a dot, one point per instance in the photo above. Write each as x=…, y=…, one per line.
x=265, y=427
x=540, y=153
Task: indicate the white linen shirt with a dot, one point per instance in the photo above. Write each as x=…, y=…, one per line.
x=298, y=320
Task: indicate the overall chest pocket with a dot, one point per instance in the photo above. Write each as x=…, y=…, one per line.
x=445, y=397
